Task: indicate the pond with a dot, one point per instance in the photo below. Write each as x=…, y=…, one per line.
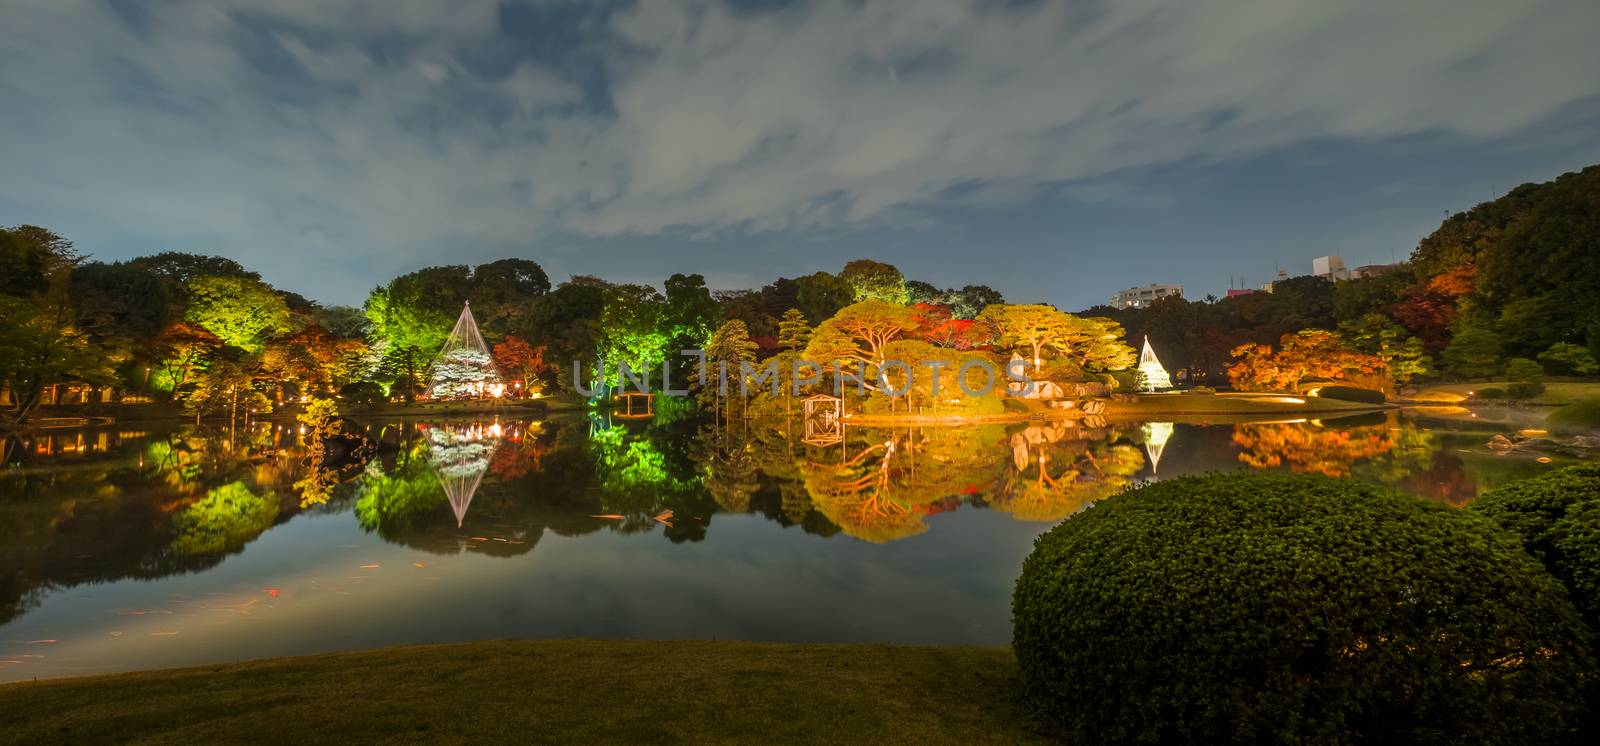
x=139, y=547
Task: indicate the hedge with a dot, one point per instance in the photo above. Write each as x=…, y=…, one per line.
x=1557, y=518
x=1351, y=393
x=1280, y=608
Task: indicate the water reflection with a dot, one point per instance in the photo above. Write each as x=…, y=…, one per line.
x=100, y=506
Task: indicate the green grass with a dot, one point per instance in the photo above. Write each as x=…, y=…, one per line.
x=1556, y=393
x=1581, y=417
x=556, y=691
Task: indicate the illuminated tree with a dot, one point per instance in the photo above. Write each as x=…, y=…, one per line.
x=1095, y=344
x=40, y=342
x=729, y=347
x=633, y=330
x=518, y=359
x=312, y=359
x=793, y=331
x=229, y=384
x=1403, y=355
x=1029, y=327
x=870, y=280
x=183, y=349
x=240, y=310
x=1310, y=353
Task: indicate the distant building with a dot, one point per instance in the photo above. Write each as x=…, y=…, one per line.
x=1143, y=297
x=1266, y=287
x=1236, y=292
x=1330, y=267
x=1372, y=270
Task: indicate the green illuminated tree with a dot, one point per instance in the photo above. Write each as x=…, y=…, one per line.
x=1474, y=352
x=244, y=312
x=1565, y=358
x=870, y=280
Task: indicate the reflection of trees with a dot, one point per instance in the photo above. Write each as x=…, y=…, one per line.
x=1310, y=448
x=878, y=485
x=226, y=519
x=855, y=494
x=1060, y=469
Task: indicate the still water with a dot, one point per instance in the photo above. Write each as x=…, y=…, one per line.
x=131, y=548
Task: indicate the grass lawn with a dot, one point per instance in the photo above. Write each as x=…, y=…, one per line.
x=1556, y=393
x=566, y=691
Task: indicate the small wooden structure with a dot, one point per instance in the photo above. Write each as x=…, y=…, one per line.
x=627, y=400
x=823, y=416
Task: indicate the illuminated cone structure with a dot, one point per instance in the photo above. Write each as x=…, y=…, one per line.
x=463, y=369
x=1155, y=376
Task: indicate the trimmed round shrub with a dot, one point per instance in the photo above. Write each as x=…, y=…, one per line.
x=1557, y=517
x=1351, y=393
x=1492, y=394
x=1579, y=417
x=1525, y=390
x=1303, y=609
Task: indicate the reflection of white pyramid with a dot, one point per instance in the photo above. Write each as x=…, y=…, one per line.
x=1156, y=435
x=460, y=491
x=1155, y=376
x=460, y=457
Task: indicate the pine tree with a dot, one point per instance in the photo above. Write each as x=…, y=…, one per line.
x=794, y=331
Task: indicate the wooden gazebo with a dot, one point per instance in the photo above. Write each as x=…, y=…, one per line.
x=626, y=404
x=823, y=416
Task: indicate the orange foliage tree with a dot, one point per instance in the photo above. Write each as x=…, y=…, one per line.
x=1309, y=353
x=518, y=359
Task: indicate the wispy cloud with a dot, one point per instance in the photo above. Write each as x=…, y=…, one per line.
x=405, y=131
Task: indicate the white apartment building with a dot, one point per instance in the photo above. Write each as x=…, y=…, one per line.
x=1142, y=297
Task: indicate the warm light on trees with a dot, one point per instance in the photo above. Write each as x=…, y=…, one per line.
x=1310, y=353
x=520, y=360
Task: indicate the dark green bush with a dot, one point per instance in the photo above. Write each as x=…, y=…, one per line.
x=1490, y=394
x=362, y=394
x=1525, y=390
x=1579, y=417
x=1294, y=609
x=1351, y=393
x=1557, y=517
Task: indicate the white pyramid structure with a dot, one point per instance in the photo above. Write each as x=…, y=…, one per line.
x=1155, y=376
x=463, y=368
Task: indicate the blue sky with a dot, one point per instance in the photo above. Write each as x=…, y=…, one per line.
x=1056, y=151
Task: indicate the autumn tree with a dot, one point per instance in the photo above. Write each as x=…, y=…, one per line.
x=518, y=359
x=183, y=348
x=1309, y=353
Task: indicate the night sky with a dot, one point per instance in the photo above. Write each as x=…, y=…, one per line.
x=1056, y=151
